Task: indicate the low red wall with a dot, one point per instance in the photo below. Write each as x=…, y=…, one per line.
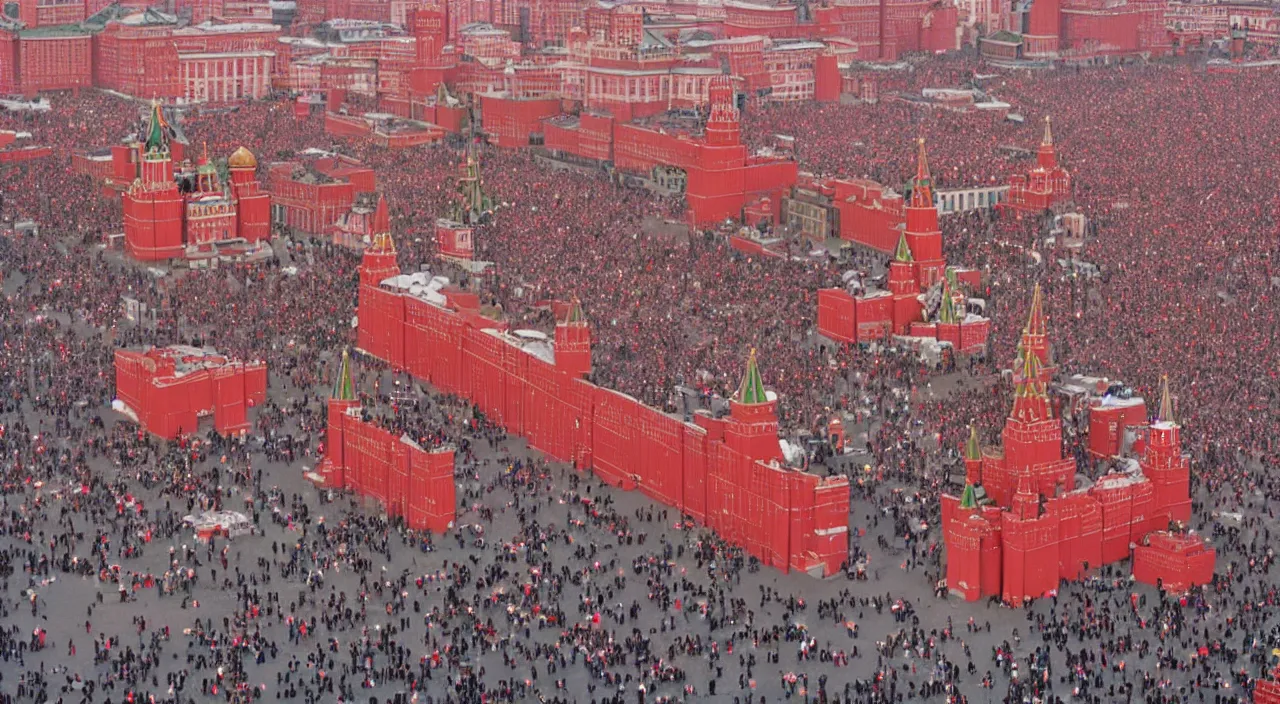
x=786, y=518
x=395, y=470
x=1175, y=562
x=168, y=406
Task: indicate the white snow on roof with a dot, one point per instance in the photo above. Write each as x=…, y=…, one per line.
x=420, y=285
x=1113, y=402
x=232, y=28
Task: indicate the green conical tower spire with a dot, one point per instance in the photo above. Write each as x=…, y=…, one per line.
x=155, y=130
x=752, y=389
x=344, y=389
x=947, y=312
x=969, y=498
x=575, y=316
x=903, y=253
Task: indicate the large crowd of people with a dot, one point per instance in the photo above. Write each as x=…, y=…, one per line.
x=553, y=587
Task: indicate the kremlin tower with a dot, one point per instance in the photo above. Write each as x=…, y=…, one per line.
x=905, y=288
x=1045, y=187
x=753, y=430
x=1164, y=463
x=1020, y=525
x=922, y=232
x=924, y=298
x=382, y=311
x=573, y=342
x=723, y=129
x=153, y=207
x=343, y=398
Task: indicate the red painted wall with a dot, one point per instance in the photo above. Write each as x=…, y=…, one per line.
x=789, y=519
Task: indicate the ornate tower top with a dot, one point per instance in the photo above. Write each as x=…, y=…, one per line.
x=344, y=389
x=575, y=316
x=381, y=225
x=922, y=187
x=1046, y=157
x=751, y=391
x=1030, y=400
x=1036, y=324
x=1166, y=403
x=472, y=204
x=903, y=252
x=971, y=449
x=969, y=499
x=157, y=139
x=242, y=158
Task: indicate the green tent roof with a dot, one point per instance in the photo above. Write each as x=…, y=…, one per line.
x=752, y=389
x=344, y=389
x=903, y=252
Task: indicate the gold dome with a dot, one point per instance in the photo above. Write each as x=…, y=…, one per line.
x=242, y=158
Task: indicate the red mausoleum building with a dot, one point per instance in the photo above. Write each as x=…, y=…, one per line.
x=312, y=193
x=167, y=390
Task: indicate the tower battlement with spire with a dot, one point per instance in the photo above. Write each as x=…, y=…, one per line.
x=1020, y=525
x=928, y=298
x=753, y=426
x=1045, y=187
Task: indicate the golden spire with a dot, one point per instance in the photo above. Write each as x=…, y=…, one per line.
x=971, y=449
x=1030, y=400
x=1048, y=132
x=922, y=187
x=1035, y=319
x=1166, y=403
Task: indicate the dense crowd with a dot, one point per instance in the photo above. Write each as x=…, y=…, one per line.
x=554, y=588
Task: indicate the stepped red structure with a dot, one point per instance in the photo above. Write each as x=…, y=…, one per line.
x=723, y=471
x=1267, y=691
x=1045, y=187
x=169, y=389
x=722, y=178
x=1033, y=528
x=369, y=460
x=317, y=189
x=906, y=308
x=1173, y=561
x=170, y=214
x=12, y=153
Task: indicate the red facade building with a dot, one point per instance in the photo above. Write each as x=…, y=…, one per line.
x=313, y=192
x=721, y=470
x=168, y=214
x=168, y=390
x=1033, y=528
x=721, y=176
